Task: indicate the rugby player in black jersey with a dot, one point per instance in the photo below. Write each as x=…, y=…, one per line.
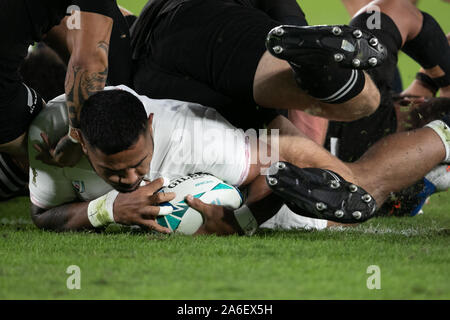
x=87, y=36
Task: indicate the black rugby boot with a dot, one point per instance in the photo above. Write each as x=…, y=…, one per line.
x=320, y=194
x=322, y=45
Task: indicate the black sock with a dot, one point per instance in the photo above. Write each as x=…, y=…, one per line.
x=330, y=84
x=430, y=49
x=446, y=119
x=389, y=35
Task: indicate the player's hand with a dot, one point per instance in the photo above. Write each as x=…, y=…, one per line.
x=218, y=219
x=141, y=207
x=64, y=154
x=411, y=101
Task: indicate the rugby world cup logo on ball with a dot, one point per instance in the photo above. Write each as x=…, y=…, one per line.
x=204, y=186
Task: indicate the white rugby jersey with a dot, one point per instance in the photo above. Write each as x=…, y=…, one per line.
x=188, y=138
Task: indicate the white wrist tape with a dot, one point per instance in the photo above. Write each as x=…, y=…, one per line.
x=246, y=220
x=72, y=134
x=100, y=211
x=443, y=130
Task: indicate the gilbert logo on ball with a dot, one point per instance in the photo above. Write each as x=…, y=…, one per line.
x=206, y=187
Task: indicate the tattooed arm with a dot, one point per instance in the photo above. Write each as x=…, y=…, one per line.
x=140, y=207
x=63, y=218
x=87, y=72
x=88, y=65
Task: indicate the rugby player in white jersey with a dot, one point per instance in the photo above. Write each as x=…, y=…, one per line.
x=128, y=139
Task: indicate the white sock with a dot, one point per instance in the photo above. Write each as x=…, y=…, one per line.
x=443, y=130
x=440, y=177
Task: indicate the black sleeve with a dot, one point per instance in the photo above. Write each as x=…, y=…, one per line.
x=130, y=20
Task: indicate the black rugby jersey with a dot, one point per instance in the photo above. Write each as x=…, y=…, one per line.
x=45, y=14
x=285, y=11
x=13, y=179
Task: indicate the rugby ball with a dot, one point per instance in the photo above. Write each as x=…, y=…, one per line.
x=206, y=187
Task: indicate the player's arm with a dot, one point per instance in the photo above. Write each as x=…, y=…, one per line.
x=260, y=206
x=87, y=72
x=88, y=65
x=56, y=39
x=136, y=208
x=424, y=85
x=68, y=217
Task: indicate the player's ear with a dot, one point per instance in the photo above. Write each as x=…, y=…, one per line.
x=82, y=141
x=150, y=118
x=150, y=122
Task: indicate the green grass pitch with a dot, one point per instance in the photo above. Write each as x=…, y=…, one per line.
x=411, y=253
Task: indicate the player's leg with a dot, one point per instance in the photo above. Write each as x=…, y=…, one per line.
x=317, y=68
x=288, y=12
x=410, y=201
x=398, y=21
x=353, y=6
x=313, y=127
x=388, y=161
x=230, y=57
x=412, y=113
x=260, y=199
x=296, y=148
x=275, y=85
x=18, y=107
x=21, y=102
x=293, y=147
x=423, y=39
x=406, y=16
x=366, y=131
x=18, y=103
x=401, y=22
x=348, y=196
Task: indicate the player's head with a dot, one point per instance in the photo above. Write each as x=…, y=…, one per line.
x=116, y=135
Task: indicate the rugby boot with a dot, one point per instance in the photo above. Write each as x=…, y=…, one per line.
x=346, y=46
x=321, y=194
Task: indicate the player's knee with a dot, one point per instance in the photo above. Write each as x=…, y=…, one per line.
x=368, y=101
x=372, y=104
x=359, y=107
